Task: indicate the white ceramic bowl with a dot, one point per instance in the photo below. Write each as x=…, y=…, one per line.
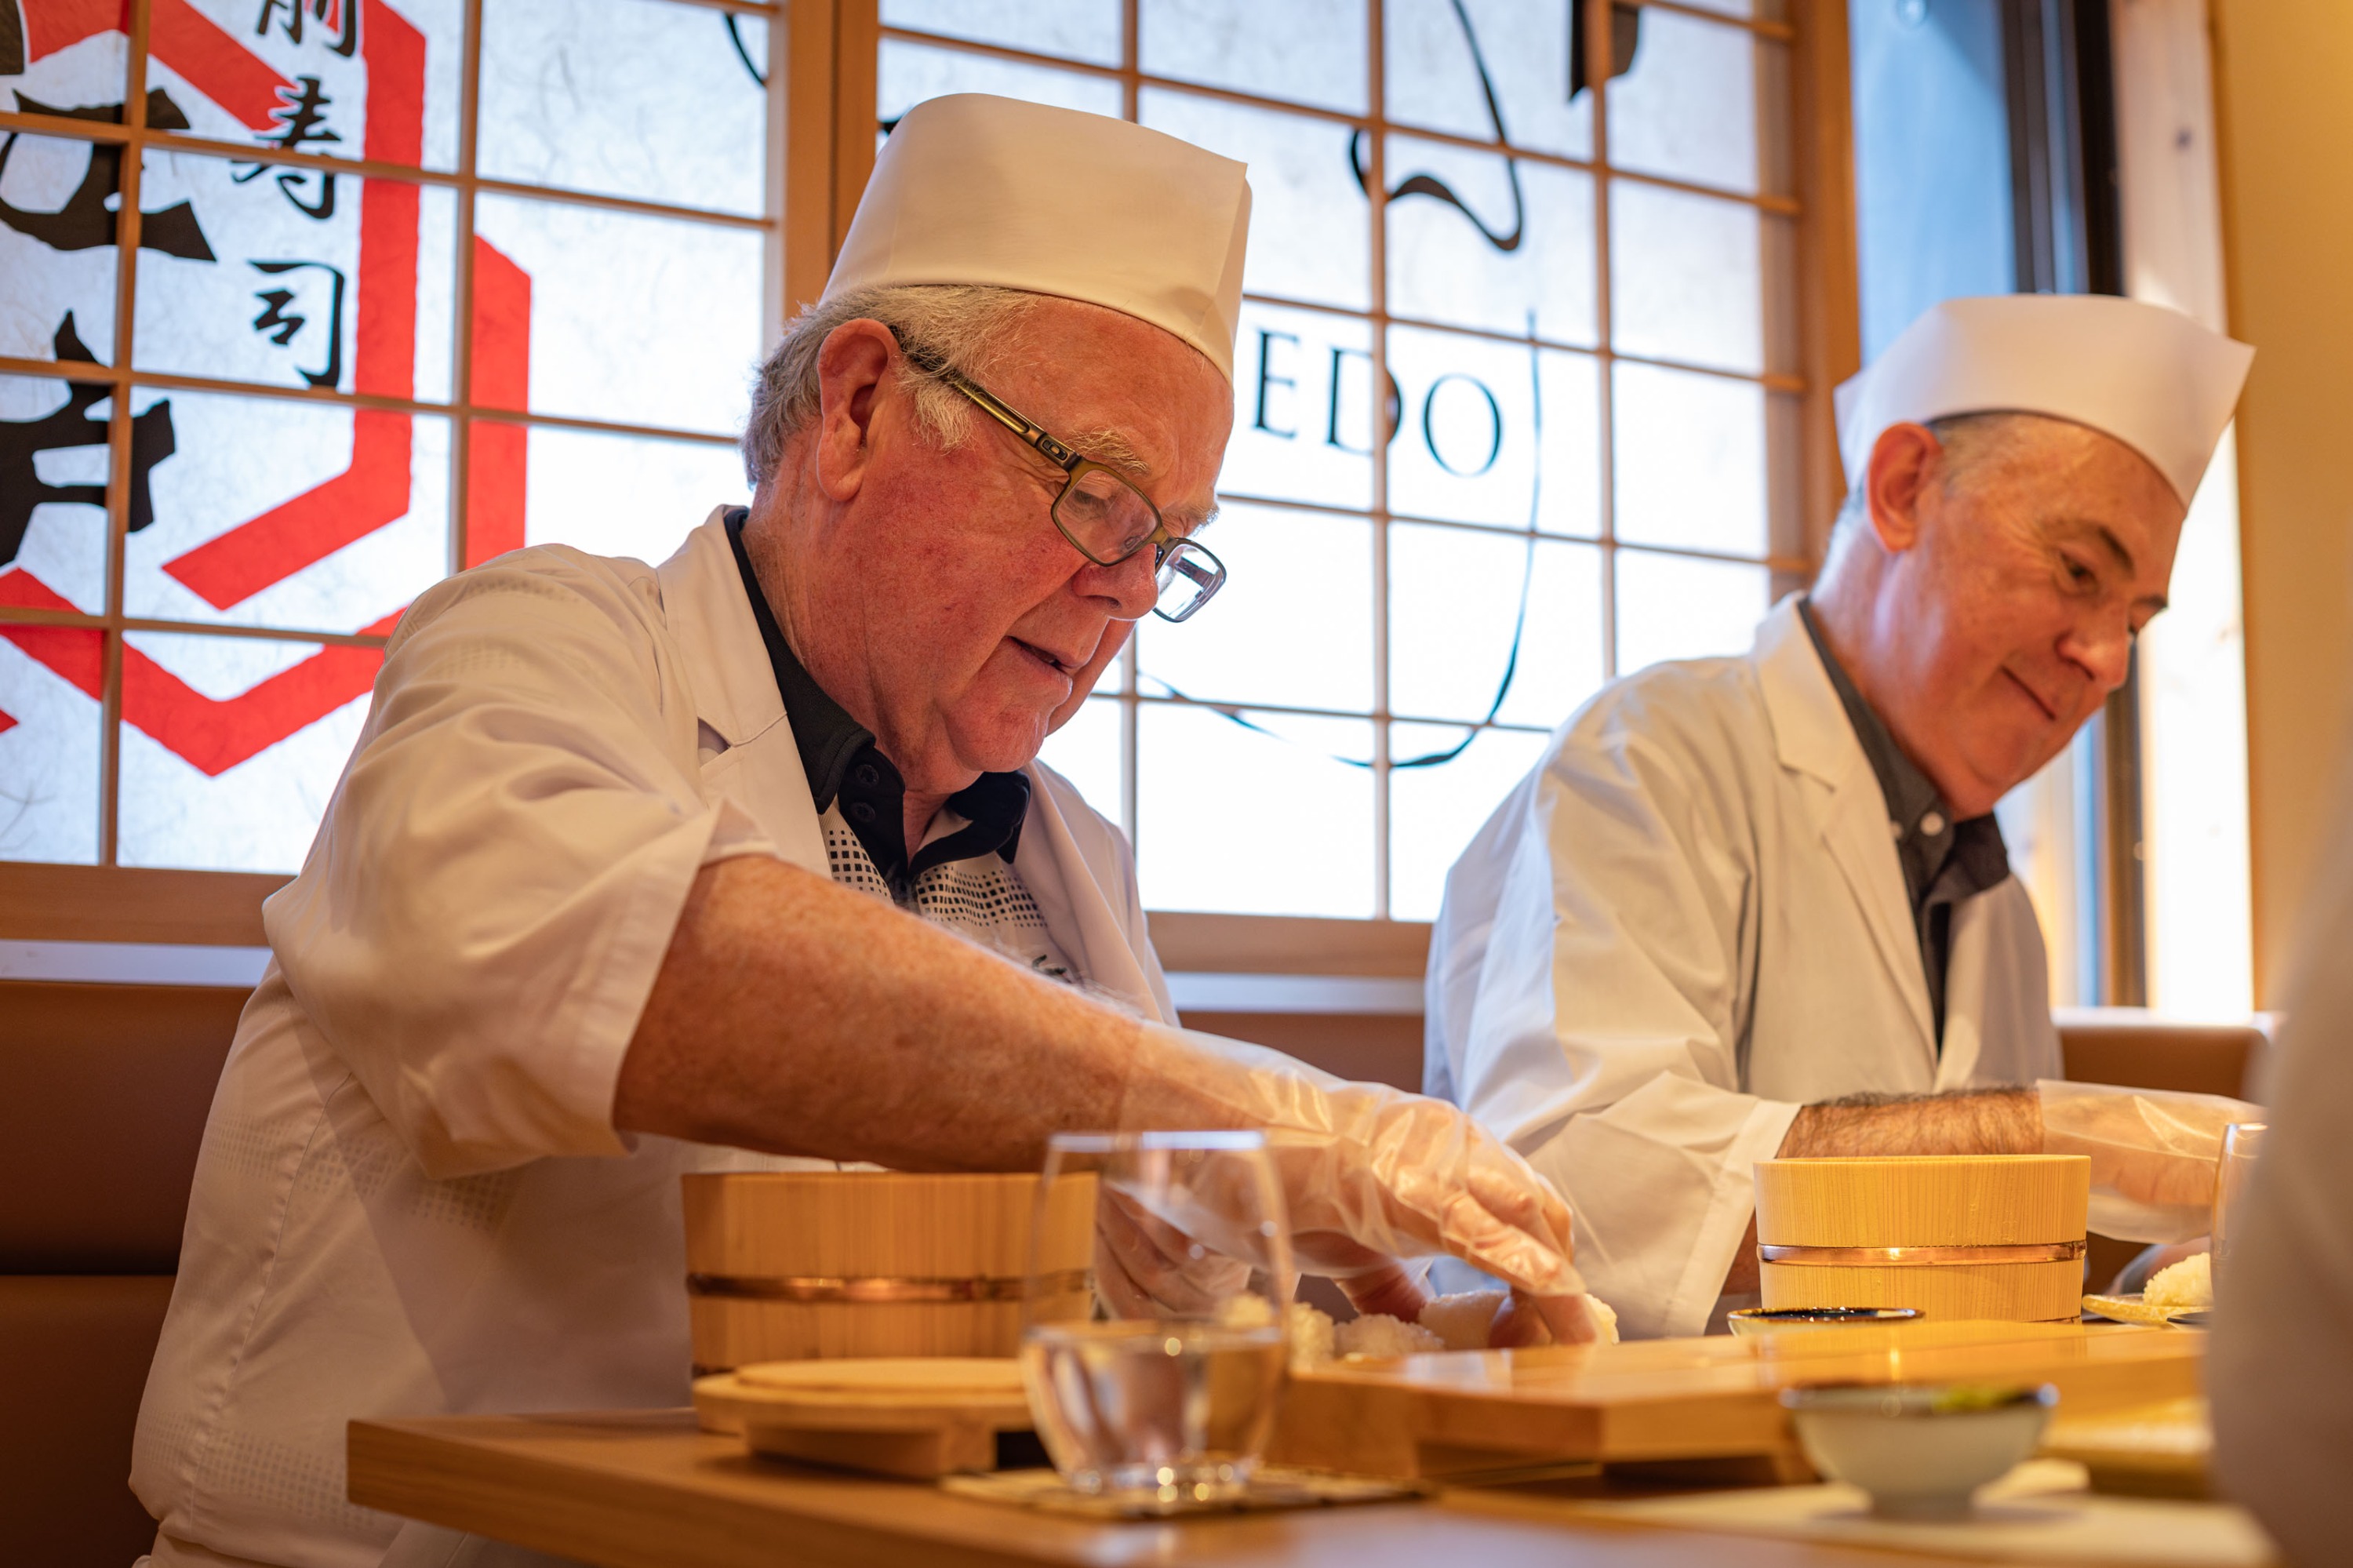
x=1753, y=1322
x=1920, y=1452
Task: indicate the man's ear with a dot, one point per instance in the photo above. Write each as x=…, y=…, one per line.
x=851, y=367
x=1905, y=461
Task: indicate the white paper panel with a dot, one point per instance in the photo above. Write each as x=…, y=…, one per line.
x=645, y=320
x=1685, y=278
x=1304, y=51
x=1086, y=751
x=1434, y=72
x=1434, y=812
x=1293, y=625
x=1688, y=109
x=392, y=98
x=1465, y=449
x=912, y=72
x=340, y=283
x=1076, y=29
x=230, y=749
x=634, y=98
x=53, y=470
x=1252, y=823
x=65, y=265
x=48, y=741
x=280, y=513
x=1302, y=408
x=1449, y=265
x=1454, y=594
x=1691, y=459
x=1677, y=606
x=89, y=71
x=1309, y=238
x=623, y=495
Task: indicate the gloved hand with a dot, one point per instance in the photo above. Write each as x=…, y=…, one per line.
x=2153, y=1153
x=1145, y=1266
x=1370, y=1174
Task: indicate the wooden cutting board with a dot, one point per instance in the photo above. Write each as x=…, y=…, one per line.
x=1457, y=1415
x=916, y=1417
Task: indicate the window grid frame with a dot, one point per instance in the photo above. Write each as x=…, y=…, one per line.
x=137, y=138
x=1374, y=122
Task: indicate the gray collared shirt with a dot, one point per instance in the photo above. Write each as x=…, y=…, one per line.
x=1944, y=862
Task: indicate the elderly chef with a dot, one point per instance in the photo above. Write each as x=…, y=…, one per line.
x=1734, y=889
x=624, y=875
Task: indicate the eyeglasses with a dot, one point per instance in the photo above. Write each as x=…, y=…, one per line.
x=1104, y=517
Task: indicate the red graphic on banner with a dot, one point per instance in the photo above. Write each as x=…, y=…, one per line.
x=374, y=489
x=177, y=34
x=213, y=733
x=496, y=452
x=231, y=567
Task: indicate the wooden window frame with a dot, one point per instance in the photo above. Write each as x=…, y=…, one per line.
x=828, y=50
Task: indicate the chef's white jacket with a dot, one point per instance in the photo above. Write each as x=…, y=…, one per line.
x=1685, y=924
x=411, y=1198
x=2280, y=1366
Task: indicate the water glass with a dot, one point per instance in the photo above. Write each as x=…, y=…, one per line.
x=2242, y=1144
x=1157, y=1387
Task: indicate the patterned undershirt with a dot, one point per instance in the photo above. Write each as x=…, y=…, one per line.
x=980, y=898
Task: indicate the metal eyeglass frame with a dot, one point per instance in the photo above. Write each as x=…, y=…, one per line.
x=1165, y=546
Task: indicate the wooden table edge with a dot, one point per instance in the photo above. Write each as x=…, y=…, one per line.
x=471, y=1474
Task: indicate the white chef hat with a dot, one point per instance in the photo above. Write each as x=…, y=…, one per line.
x=2150, y=376
x=974, y=189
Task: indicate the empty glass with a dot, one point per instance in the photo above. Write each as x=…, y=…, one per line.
x=1158, y=1387
x=2242, y=1144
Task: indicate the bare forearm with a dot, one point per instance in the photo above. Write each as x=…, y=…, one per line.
x=797, y=1017
x=1988, y=1121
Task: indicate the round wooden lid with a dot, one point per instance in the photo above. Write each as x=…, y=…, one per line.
x=929, y=1376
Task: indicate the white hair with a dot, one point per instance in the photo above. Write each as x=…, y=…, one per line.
x=960, y=325
x=1967, y=439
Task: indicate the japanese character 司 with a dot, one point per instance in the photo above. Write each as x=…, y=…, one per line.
x=21, y=440
x=275, y=315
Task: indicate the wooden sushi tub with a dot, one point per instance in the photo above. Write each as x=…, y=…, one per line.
x=792, y=1266
x=1957, y=1236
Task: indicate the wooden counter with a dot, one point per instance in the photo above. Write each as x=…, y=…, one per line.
x=646, y=1489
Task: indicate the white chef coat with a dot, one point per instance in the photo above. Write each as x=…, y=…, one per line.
x=1685, y=924
x=411, y=1198
x=2281, y=1373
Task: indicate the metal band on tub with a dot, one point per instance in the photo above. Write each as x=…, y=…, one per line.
x=881, y=1289
x=1914, y=1256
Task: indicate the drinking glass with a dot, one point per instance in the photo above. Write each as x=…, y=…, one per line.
x=2242, y=1144
x=1157, y=1386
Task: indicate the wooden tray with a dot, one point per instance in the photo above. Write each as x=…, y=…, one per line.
x=2153, y=1450
x=920, y=1417
x=1459, y=1415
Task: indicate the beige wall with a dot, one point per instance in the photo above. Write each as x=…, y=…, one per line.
x=2284, y=89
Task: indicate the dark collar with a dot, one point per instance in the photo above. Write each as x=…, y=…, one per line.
x=839, y=757
x=1944, y=862
x=1938, y=855
x=1910, y=795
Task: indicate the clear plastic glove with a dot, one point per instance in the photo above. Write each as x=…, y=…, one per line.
x=1145, y=1266
x=1370, y=1174
x=2153, y=1153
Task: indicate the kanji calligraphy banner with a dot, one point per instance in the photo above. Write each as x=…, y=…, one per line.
x=320, y=514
